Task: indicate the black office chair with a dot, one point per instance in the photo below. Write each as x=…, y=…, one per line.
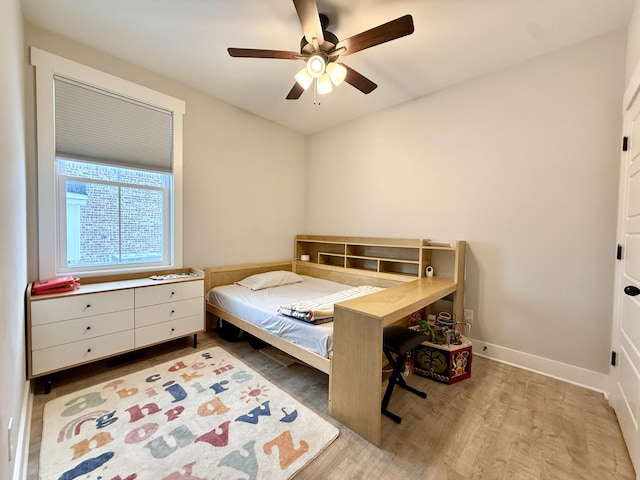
x=398, y=341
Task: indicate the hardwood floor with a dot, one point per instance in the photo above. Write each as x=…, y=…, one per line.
x=502, y=423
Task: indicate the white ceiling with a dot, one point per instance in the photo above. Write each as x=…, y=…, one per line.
x=454, y=41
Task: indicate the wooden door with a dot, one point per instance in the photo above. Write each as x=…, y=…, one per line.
x=625, y=390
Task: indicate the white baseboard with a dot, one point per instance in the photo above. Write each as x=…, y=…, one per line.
x=21, y=454
x=550, y=368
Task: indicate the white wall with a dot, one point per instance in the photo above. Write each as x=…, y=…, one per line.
x=633, y=42
x=244, y=193
x=521, y=163
x=13, y=254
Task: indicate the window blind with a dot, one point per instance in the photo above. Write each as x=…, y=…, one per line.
x=93, y=124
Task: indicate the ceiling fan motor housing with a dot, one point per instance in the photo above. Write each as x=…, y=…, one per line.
x=330, y=40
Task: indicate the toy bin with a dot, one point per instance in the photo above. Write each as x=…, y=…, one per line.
x=443, y=363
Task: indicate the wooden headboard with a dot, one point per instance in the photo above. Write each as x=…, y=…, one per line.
x=216, y=276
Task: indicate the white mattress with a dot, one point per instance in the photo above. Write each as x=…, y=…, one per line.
x=261, y=308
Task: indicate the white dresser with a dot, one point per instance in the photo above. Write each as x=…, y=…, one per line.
x=104, y=319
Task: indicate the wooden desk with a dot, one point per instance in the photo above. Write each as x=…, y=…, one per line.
x=355, y=391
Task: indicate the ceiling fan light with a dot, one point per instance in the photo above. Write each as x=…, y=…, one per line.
x=303, y=78
x=324, y=84
x=337, y=73
x=316, y=65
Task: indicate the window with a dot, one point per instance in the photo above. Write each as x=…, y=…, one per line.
x=109, y=171
x=112, y=216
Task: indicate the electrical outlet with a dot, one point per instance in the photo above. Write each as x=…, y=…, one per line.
x=9, y=441
x=468, y=315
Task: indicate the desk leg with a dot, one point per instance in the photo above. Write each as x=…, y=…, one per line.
x=356, y=375
x=458, y=277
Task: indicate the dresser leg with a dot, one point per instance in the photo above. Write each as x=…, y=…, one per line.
x=195, y=340
x=47, y=386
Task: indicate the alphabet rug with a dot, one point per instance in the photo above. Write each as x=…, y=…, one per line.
x=201, y=417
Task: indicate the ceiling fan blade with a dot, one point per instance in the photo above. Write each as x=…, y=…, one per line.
x=310, y=20
x=295, y=92
x=258, y=53
x=359, y=81
x=382, y=33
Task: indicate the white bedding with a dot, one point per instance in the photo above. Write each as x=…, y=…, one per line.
x=261, y=308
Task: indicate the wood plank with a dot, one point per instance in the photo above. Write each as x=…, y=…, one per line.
x=225, y=275
x=458, y=278
x=356, y=372
x=386, y=241
x=395, y=303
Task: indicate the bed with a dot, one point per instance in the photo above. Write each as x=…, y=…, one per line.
x=261, y=308
x=256, y=313
x=355, y=359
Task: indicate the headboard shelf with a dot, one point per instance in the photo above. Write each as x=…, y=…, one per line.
x=402, y=255
x=395, y=260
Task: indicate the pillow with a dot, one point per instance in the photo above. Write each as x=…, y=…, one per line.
x=275, y=278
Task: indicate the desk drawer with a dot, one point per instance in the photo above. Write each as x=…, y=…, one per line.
x=79, y=306
x=162, y=332
x=169, y=292
x=165, y=312
x=51, y=334
x=69, y=354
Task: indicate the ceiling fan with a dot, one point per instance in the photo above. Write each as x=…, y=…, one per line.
x=320, y=50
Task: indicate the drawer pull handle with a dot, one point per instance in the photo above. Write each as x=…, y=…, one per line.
x=173, y=329
x=172, y=312
x=173, y=293
x=88, y=350
x=89, y=328
x=88, y=305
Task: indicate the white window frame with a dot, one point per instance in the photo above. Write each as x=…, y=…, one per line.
x=47, y=65
x=63, y=210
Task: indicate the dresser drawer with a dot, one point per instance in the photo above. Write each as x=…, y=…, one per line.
x=162, y=332
x=51, y=334
x=169, y=292
x=78, y=306
x=164, y=312
x=67, y=355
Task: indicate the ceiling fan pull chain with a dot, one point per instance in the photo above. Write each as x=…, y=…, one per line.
x=315, y=92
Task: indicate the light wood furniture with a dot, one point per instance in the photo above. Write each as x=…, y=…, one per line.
x=388, y=257
x=356, y=378
x=382, y=261
x=108, y=316
x=355, y=365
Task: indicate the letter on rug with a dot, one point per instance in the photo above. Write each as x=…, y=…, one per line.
x=243, y=463
x=287, y=453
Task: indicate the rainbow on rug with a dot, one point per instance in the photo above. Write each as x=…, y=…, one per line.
x=201, y=417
